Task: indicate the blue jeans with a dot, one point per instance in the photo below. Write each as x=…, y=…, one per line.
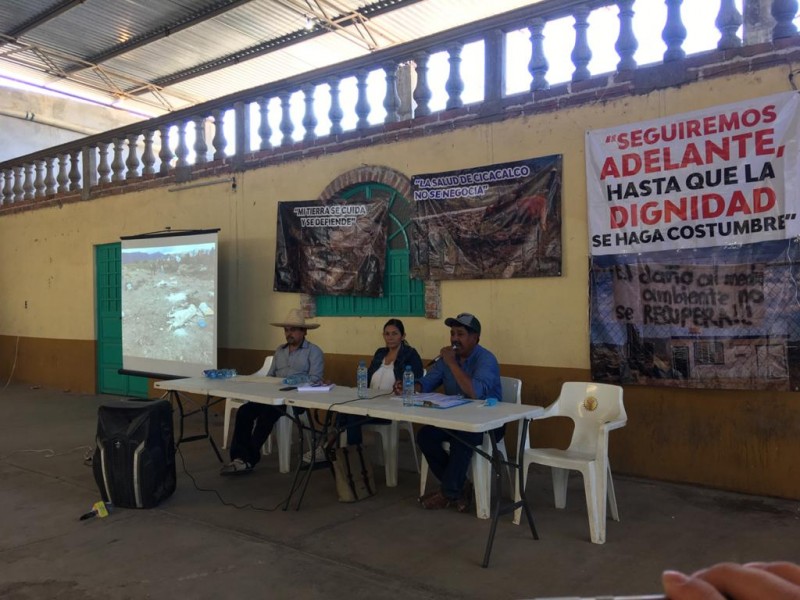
x=450, y=467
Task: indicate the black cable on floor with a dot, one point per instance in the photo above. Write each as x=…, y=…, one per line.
x=248, y=506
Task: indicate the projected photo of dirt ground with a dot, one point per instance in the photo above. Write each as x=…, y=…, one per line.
x=169, y=303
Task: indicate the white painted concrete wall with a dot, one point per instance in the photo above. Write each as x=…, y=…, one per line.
x=30, y=121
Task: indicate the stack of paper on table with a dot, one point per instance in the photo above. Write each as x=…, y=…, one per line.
x=436, y=400
x=316, y=387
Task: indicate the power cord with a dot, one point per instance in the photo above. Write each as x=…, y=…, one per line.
x=331, y=406
x=50, y=453
x=14, y=365
x=326, y=426
x=248, y=506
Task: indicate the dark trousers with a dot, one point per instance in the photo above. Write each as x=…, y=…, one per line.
x=450, y=467
x=254, y=423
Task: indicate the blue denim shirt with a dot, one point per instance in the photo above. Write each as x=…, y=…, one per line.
x=481, y=365
x=306, y=360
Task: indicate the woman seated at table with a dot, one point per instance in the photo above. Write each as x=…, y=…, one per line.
x=387, y=366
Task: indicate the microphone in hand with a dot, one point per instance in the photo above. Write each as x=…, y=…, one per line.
x=434, y=361
x=440, y=356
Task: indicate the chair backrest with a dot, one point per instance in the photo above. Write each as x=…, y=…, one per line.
x=512, y=389
x=262, y=372
x=589, y=405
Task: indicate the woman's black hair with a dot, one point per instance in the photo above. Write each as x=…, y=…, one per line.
x=400, y=327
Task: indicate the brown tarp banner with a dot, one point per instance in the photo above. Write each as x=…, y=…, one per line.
x=332, y=248
x=491, y=222
x=716, y=317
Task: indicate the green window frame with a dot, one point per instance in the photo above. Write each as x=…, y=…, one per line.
x=402, y=295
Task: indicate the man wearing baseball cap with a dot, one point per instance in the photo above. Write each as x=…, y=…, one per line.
x=254, y=421
x=467, y=368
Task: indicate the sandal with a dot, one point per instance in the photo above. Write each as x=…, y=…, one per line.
x=236, y=467
x=436, y=501
x=424, y=497
x=464, y=503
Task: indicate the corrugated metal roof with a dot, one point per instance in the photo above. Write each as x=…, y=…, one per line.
x=191, y=52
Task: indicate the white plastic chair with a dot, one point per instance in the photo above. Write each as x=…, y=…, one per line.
x=480, y=467
x=596, y=409
x=282, y=430
x=390, y=441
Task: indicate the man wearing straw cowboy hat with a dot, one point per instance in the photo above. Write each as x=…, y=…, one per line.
x=254, y=421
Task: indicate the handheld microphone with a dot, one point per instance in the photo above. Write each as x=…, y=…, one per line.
x=438, y=358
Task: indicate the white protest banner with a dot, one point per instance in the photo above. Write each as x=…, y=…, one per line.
x=716, y=177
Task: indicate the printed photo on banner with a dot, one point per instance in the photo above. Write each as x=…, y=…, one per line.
x=333, y=247
x=694, y=254
x=715, y=177
x=721, y=318
x=491, y=222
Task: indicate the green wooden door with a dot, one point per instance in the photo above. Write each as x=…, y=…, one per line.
x=109, y=326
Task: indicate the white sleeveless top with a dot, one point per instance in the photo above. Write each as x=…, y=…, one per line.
x=383, y=378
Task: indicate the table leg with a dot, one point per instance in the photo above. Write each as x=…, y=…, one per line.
x=497, y=464
x=302, y=485
x=496, y=474
x=299, y=466
x=314, y=443
x=206, y=433
x=177, y=397
x=523, y=502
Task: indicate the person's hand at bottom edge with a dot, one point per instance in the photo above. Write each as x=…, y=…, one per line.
x=731, y=581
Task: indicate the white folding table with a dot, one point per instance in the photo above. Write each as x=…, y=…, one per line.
x=472, y=417
x=261, y=389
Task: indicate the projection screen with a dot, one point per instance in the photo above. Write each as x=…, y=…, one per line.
x=169, y=303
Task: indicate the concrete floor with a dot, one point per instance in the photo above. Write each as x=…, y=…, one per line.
x=194, y=546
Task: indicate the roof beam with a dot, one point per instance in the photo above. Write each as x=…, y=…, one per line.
x=48, y=62
x=301, y=35
x=43, y=17
x=335, y=20
x=164, y=31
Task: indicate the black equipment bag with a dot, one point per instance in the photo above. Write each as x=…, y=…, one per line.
x=134, y=461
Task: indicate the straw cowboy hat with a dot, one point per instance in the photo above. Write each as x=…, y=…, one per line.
x=295, y=318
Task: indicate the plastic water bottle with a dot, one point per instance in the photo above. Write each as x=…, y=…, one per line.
x=408, y=386
x=361, y=379
x=297, y=379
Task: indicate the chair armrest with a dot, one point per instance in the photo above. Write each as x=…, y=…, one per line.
x=549, y=411
x=611, y=425
x=602, y=444
x=264, y=370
